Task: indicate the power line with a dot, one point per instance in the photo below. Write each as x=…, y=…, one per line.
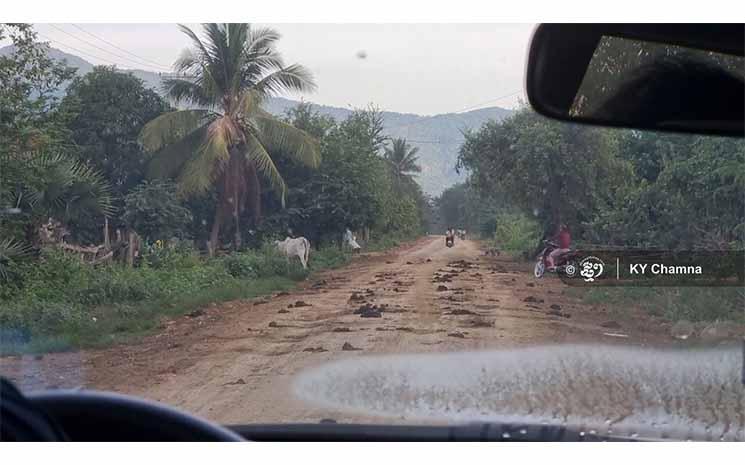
x=494, y=100
x=119, y=48
x=76, y=49
x=99, y=48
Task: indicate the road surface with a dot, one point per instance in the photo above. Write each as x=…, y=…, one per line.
x=236, y=362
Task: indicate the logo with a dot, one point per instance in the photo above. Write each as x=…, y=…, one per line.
x=591, y=268
x=570, y=270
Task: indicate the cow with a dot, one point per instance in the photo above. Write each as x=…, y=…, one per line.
x=297, y=247
x=351, y=241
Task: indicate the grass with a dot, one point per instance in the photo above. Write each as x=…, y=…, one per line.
x=65, y=305
x=672, y=303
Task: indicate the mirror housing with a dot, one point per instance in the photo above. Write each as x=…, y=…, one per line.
x=673, y=77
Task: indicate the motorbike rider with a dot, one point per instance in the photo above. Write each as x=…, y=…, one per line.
x=564, y=240
x=449, y=235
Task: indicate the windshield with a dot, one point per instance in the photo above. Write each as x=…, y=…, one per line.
x=295, y=223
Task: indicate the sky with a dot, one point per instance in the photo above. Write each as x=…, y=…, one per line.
x=410, y=68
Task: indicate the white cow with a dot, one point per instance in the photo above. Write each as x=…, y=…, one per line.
x=351, y=241
x=297, y=247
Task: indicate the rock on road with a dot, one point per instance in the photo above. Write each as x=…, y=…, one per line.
x=235, y=362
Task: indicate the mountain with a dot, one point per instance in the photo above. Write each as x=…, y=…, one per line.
x=438, y=137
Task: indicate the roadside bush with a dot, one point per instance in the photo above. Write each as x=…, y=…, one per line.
x=241, y=265
x=517, y=234
x=328, y=257
x=179, y=255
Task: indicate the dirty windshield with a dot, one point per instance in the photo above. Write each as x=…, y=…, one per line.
x=283, y=223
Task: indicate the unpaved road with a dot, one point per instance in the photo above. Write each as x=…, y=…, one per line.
x=235, y=362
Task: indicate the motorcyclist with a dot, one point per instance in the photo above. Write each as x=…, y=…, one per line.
x=449, y=235
x=564, y=240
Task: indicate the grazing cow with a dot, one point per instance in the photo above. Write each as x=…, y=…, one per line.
x=297, y=247
x=351, y=241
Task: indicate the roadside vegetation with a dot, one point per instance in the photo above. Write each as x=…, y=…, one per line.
x=613, y=188
x=120, y=205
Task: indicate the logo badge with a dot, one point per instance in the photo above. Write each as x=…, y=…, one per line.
x=591, y=268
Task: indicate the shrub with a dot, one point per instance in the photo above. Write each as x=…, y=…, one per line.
x=517, y=234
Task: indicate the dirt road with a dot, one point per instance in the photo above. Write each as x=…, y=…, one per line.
x=235, y=362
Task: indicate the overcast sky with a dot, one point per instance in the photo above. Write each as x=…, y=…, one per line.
x=413, y=68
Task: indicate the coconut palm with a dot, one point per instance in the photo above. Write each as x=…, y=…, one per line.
x=227, y=141
x=403, y=160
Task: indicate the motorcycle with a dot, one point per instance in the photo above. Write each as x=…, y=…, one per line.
x=560, y=263
x=449, y=241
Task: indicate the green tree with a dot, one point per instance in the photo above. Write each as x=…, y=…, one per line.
x=349, y=187
x=111, y=107
x=228, y=143
x=554, y=171
x=154, y=210
x=29, y=80
x=37, y=176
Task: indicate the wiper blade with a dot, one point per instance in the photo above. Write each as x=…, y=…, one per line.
x=405, y=433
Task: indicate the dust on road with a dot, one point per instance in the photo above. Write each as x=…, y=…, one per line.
x=235, y=362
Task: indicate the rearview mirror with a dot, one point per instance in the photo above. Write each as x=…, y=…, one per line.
x=674, y=77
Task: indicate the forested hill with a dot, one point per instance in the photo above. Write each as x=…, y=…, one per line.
x=438, y=137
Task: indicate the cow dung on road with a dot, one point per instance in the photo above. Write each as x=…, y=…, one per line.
x=369, y=311
x=460, y=311
x=315, y=349
x=342, y=329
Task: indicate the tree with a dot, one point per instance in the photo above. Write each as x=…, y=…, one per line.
x=37, y=176
x=154, y=210
x=554, y=171
x=29, y=119
x=228, y=141
x=404, y=162
x=57, y=186
x=111, y=107
x=349, y=188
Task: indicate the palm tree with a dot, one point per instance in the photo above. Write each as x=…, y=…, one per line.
x=403, y=160
x=43, y=185
x=227, y=141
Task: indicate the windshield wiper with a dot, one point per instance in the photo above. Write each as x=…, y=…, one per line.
x=481, y=432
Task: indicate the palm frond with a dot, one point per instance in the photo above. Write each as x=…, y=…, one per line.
x=276, y=135
x=189, y=91
x=172, y=127
x=168, y=161
x=11, y=251
x=195, y=40
x=292, y=78
x=257, y=154
x=66, y=186
x=201, y=171
x=261, y=39
x=203, y=63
